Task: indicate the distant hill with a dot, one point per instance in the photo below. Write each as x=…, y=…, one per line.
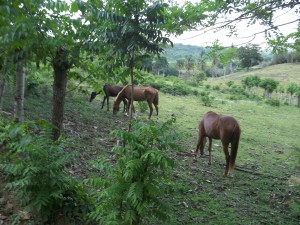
x=180, y=51
x=284, y=73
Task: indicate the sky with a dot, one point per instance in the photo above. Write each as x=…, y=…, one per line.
x=199, y=39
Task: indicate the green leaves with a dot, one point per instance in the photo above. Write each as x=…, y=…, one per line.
x=36, y=167
x=140, y=174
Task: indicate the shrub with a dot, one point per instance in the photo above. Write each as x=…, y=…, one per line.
x=35, y=166
x=207, y=99
x=199, y=77
x=273, y=101
x=236, y=89
x=32, y=85
x=140, y=177
x=230, y=83
x=216, y=87
x=235, y=97
x=176, y=89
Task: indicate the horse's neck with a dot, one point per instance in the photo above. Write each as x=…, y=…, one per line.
x=120, y=97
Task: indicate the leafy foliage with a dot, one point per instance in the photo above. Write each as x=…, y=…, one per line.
x=269, y=85
x=273, y=101
x=206, y=98
x=35, y=168
x=251, y=81
x=136, y=185
x=249, y=56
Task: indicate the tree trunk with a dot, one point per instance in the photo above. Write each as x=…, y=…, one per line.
x=19, y=95
x=61, y=67
x=298, y=101
x=3, y=83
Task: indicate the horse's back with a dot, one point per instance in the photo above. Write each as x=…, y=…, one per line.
x=112, y=90
x=209, y=125
x=141, y=93
x=218, y=126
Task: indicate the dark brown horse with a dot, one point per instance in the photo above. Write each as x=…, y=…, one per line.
x=226, y=128
x=140, y=93
x=109, y=90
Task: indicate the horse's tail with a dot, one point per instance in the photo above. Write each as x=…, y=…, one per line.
x=234, y=145
x=156, y=99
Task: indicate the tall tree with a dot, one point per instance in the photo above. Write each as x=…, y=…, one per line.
x=52, y=32
x=201, y=60
x=227, y=58
x=189, y=63
x=269, y=85
x=214, y=54
x=134, y=31
x=292, y=89
x=249, y=56
x=161, y=64
x=179, y=65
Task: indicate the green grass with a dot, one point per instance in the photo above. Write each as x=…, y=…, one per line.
x=269, y=147
x=284, y=73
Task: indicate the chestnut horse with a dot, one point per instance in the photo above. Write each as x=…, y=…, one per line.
x=140, y=93
x=109, y=90
x=226, y=128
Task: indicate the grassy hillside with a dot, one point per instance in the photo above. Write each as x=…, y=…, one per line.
x=264, y=187
x=284, y=73
x=180, y=51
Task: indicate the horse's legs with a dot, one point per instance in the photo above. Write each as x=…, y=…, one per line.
x=107, y=101
x=128, y=107
x=103, y=102
x=200, y=142
x=227, y=158
x=209, y=150
x=125, y=105
x=151, y=109
x=156, y=108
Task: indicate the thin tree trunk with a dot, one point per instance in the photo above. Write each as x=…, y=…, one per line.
x=61, y=67
x=3, y=83
x=19, y=95
x=298, y=101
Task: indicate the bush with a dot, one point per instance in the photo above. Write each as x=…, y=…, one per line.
x=32, y=85
x=207, y=99
x=35, y=167
x=236, y=89
x=235, y=97
x=230, y=83
x=135, y=185
x=176, y=89
x=216, y=87
x=273, y=101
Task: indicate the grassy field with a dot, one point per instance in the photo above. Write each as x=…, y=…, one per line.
x=264, y=187
x=284, y=73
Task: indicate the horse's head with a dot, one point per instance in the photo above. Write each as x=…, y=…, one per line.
x=116, y=108
x=93, y=95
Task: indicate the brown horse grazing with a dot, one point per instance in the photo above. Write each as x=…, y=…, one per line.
x=140, y=93
x=222, y=127
x=109, y=90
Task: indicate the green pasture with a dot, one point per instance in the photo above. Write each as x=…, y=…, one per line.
x=264, y=187
x=284, y=73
